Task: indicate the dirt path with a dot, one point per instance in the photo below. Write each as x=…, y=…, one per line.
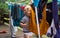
x=8, y=34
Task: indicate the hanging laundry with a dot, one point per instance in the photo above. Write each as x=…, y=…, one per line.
x=9, y=6
x=51, y=30
x=33, y=25
x=17, y=14
x=49, y=13
x=14, y=14
x=20, y=14
x=55, y=13
x=32, y=5
x=55, y=16
x=36, y=2
x=14, y=11
x=22, y=7
x=40, y=9
x=44, y=25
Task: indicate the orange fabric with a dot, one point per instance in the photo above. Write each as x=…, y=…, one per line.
x=33, y=26
x=44, y=25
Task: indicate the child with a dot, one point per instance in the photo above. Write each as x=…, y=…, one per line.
x=25, y=22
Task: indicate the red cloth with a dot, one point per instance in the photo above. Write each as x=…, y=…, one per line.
x=22, y=7
x=3, y=31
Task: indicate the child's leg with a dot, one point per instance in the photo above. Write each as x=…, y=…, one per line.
x=28, y=35
x=25, y=36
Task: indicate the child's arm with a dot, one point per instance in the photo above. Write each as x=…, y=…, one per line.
x=23, y=24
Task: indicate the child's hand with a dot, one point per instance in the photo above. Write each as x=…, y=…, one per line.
x=23, y=25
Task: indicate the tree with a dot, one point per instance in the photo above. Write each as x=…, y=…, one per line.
x=3, y=9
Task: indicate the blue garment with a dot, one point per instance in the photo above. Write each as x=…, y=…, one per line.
x=48, y=13
x=58, y=34
x=36, y=2
x=9, y=6
x=16, y=13
x=41, y=5
x=19, y=17
x=55, y=16
x=55, y=13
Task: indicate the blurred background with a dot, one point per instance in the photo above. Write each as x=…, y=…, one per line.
x=4, y=18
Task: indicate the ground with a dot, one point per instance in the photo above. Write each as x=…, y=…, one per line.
x=8, y=34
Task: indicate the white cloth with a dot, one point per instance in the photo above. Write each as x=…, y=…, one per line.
x=13, y=28
x=29, y=34
x=52, y=26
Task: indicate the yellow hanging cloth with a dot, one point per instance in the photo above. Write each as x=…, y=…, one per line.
x=44, y=25
x=33, y=26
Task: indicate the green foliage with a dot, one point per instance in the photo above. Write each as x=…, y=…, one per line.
x=49, y=1
x=3, y=8
x=20, y=1
x=11, y=0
